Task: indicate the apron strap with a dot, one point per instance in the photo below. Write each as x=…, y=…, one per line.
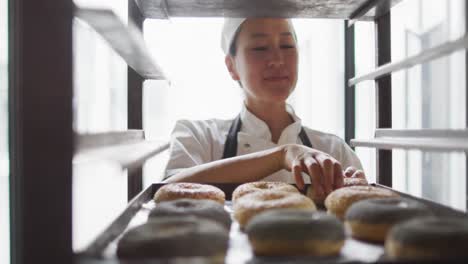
x=304, y=138
x=230, y=146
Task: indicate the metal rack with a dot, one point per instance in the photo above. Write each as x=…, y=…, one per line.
x=43, y=144
x=385, y=138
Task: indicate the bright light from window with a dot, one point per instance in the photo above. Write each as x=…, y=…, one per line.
x=189, y=52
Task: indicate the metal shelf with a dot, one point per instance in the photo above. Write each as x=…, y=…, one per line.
x=127, y=148
x=127, y=41
x=424, y=139
x=344, y=9
x=372, y=9
x=427, y=55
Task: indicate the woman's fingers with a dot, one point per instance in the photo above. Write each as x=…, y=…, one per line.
x=338, y=182
x=297, y=172
x=349, y=171
x=359, y=174
x=315, y=173
x=328, y=171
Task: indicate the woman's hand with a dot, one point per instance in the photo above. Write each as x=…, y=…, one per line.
x=325, y=172
x=352, y=172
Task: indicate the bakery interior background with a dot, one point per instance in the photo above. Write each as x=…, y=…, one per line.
x=198, y=75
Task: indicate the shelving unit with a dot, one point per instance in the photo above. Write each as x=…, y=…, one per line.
x=424, y=139
x=129, y=148
x=346, y=9
x=43, y=145
x=126, y=40
x=425, y=56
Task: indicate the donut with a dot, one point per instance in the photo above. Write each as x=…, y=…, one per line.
x=428, y=238
x=174, y=191
x=253, y=203
x=191, y=207
x=341, y=199
x=347, y=181
x=168, y=237
x=372, y=219
x=250, y=187
x=295, y=232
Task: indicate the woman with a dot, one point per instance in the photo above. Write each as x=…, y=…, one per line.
x=266, y=141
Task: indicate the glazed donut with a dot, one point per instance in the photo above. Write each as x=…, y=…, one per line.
x=186, y=207
x=295, y=232
x=372, y=219
x=168, y=237
x=428, y=238
x=253, y=203
x=250, y=187
x=174, y=191
x=347, y=181
x=341, y=199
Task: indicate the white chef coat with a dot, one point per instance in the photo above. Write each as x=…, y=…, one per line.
x=202, y=141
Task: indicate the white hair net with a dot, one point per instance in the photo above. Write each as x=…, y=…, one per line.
x=230, y=27
x=229, y=31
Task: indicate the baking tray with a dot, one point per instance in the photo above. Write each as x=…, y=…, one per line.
x=103, y=248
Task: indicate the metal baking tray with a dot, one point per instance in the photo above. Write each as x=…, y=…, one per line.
x=103, y=248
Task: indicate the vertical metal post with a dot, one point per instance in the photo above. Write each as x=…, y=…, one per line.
x=383, y=94
x=40, y=130
x=466, y=102
x=350, y=94
x=134, y=104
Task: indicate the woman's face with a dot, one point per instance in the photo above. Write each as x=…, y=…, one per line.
x=266, y=60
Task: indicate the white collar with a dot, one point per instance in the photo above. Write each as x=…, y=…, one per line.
x=254, y=126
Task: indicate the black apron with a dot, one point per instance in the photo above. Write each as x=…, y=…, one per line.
x=230, y=146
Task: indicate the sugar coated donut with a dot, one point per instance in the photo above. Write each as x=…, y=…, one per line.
x=295, y=232
x=192, y=207
x=428, y=238
x=250, y=187
x=349, y=181
x=341, y=199
x=167, y=237
x=174, y=191
x=253, y=203
x=372, y=219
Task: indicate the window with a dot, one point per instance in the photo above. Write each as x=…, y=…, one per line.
x=4, y=158
x=365, y=94
x=430, y=95
x=100, y=105
x=182, y=45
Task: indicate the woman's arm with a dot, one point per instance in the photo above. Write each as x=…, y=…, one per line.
x=325, y=171
x=239, y=169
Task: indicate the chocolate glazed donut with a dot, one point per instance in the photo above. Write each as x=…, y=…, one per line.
x=168, y=237
x=429, y=238
x=372, y=219
x=295, y=232
x=192, y=207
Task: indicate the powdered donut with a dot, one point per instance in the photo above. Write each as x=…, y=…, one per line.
x=173, y=191
x=253, y=203
x=250, y=187
x=347, y=181
x=341, y=199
